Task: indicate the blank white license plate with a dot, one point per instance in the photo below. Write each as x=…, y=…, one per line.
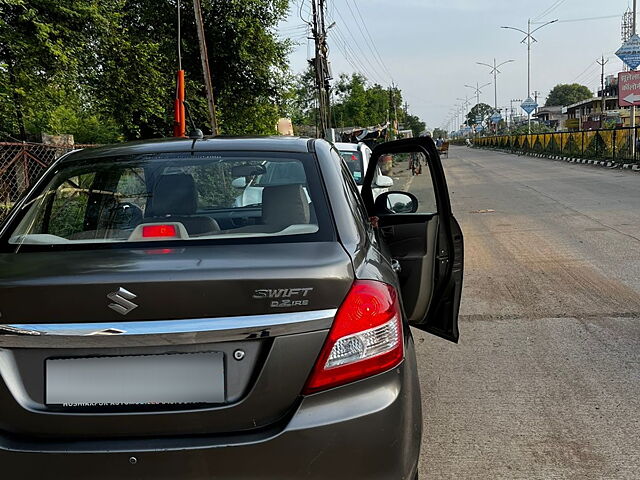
x=135, y=380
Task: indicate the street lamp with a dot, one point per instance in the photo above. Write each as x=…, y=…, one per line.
x=495, y=72
x=478, y=90
x=528, y=39
x=465, y=104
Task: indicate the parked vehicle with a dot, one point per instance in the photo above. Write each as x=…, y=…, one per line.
x=357, y=157
x=153, y=328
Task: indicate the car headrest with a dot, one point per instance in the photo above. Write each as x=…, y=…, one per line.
x=285, y=205
x=173, y=194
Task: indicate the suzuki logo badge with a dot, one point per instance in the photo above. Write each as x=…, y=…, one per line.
x=122, y=301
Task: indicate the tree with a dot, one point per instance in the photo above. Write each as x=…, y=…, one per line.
x=567, y=94
x=68, y=63
x=42, y=46
x=415, y=124
x=481, y=110
x=439, y=133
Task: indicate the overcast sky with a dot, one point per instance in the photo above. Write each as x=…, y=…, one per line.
x=430, y=47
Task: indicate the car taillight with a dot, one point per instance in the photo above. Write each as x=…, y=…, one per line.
x=365, y=339
x=155, y=231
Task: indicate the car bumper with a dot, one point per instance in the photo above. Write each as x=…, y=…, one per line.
x=369, y=429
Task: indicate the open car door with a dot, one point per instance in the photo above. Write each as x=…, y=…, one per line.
x=417, y=229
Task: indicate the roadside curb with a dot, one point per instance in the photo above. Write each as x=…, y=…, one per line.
x=596, y=163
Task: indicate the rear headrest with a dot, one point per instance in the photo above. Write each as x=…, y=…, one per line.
x=285, y=205
x=173, y=194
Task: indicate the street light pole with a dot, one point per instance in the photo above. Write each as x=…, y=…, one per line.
x=478, y=90
x=495, y=72
x=529, y=39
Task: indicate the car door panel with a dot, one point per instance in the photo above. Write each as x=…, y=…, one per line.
x=412, y=245
x=429, y=247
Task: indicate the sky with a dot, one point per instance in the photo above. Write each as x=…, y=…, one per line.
x=429, y=48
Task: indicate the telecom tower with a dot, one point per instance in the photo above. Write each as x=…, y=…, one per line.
x=626, y=29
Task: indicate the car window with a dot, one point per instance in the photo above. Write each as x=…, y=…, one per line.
x=416, y=177
x=176, y=197
x=353, y=160
x=281, y=173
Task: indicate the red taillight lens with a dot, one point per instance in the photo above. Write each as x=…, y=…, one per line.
x=365, y=339
x=155, y=231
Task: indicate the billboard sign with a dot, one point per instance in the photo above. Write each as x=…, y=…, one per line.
x=529, y=105
x=628, y=89
x=629, y=52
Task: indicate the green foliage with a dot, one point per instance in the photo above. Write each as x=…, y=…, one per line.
x=567, y=94
x=535, y=128
x=415, y=124
x=438, y=132
x=360, y=104
x=481, y=109
x=355, y=103
x=105, y=69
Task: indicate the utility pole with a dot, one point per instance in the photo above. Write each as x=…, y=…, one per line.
x=529, y=39
x=511, y=108
x=495, y=72
x=602, y=63
x=320, y=65
x=535, y=98
x=204, y=57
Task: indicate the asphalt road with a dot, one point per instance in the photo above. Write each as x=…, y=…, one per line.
x=545, y=382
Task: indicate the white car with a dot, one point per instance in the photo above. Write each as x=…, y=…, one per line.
x=273, y=174
x=356, y=156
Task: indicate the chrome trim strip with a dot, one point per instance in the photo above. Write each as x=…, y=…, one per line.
x=162, y=332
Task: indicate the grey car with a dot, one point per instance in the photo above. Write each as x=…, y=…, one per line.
x=152, y=328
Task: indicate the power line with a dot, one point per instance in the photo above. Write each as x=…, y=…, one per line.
x=373, y=43
x=570, y=20
x=361, y=57
x=550, y=9
x=351, y=58
x=356, y=44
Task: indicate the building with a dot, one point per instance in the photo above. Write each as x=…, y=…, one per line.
x=552, y=117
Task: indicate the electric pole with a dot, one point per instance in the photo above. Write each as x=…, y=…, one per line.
x=320, y=65
x=535, y=98
x=602, y=63
x=204, y=57
x=511, y=108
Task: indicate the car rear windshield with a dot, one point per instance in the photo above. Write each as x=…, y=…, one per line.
x=230, y=197
x=353, y=159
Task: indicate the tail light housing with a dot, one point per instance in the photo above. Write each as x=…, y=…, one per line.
x=365, y=338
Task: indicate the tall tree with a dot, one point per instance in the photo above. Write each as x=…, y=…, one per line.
x=565, y=94
x=481, y=110
x=112, y=62
x=415, y=124
x=42, y=45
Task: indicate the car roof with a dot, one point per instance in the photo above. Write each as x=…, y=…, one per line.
x=348, y=147
x=206, y=144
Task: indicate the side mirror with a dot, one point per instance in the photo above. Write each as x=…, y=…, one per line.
x=239, y=182
x=396, y=202
x=382, y=181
